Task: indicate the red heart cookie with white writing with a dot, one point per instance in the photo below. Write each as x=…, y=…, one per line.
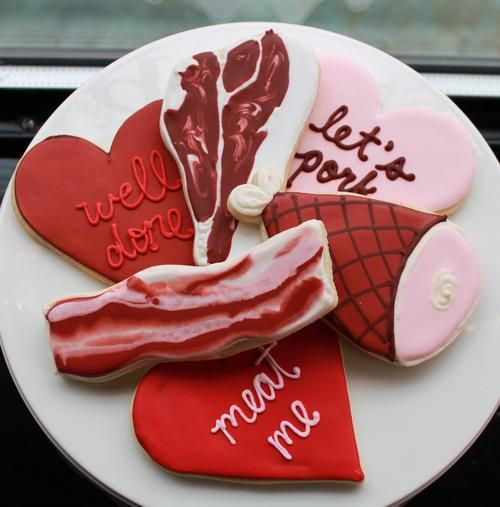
x=112, y=213
x=272, y=415
x=408, y=155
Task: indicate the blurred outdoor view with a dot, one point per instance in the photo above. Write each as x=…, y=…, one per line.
x=450, y=28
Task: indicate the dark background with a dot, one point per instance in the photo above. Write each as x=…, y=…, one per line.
x=32, y=472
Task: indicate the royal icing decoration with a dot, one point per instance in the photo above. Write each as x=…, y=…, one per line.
x=256, y=407
x=422, y=328
x=408, y=155
x=186, y=312
x=392, y=267
x=282, y=435
x=114, y=213
x=143, y=239
x=294, y=423
x=444, y=289
x=230, y=111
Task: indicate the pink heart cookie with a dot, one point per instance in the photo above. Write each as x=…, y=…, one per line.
x=413, y=156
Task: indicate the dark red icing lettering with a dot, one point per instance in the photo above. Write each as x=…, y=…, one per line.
x=311, y=160
x=370, y=242
x=344, y=131
x=395, y=169
x=329, y=169
x=359, y=187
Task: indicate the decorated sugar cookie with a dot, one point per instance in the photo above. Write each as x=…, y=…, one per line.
x=189, y=312
x=407, y=280
x=412, y=156
x=273, y=414
x=111, y=213
x=229, y=112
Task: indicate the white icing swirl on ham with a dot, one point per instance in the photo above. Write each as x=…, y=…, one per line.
x=444, y=289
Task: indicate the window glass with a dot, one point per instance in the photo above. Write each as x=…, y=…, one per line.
x=450, y=28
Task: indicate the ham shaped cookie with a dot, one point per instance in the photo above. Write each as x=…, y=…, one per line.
x=228, y=113
x=407, y=280
x=171, y=313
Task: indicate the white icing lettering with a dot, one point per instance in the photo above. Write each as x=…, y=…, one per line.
x=299, y=411
x=265, y=390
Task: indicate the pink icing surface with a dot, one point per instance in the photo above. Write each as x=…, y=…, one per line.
x=436, y=147
x=421, y=329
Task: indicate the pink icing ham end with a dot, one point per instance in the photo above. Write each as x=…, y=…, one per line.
x=437, y=292
x=173, y=313
x=220, y=117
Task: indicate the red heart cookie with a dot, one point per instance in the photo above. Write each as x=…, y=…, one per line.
x=114, y=213
x=272, y=415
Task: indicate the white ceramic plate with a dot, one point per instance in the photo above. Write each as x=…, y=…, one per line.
x=411, y=424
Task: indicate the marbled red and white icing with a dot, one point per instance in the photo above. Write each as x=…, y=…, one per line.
x=228, y=112
x=187, y=312
x=409, y=155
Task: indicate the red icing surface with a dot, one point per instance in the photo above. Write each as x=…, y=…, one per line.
x=190, y=315
x=115, y=213
x=370, y=241
x=176, y=405
x=195, y=132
